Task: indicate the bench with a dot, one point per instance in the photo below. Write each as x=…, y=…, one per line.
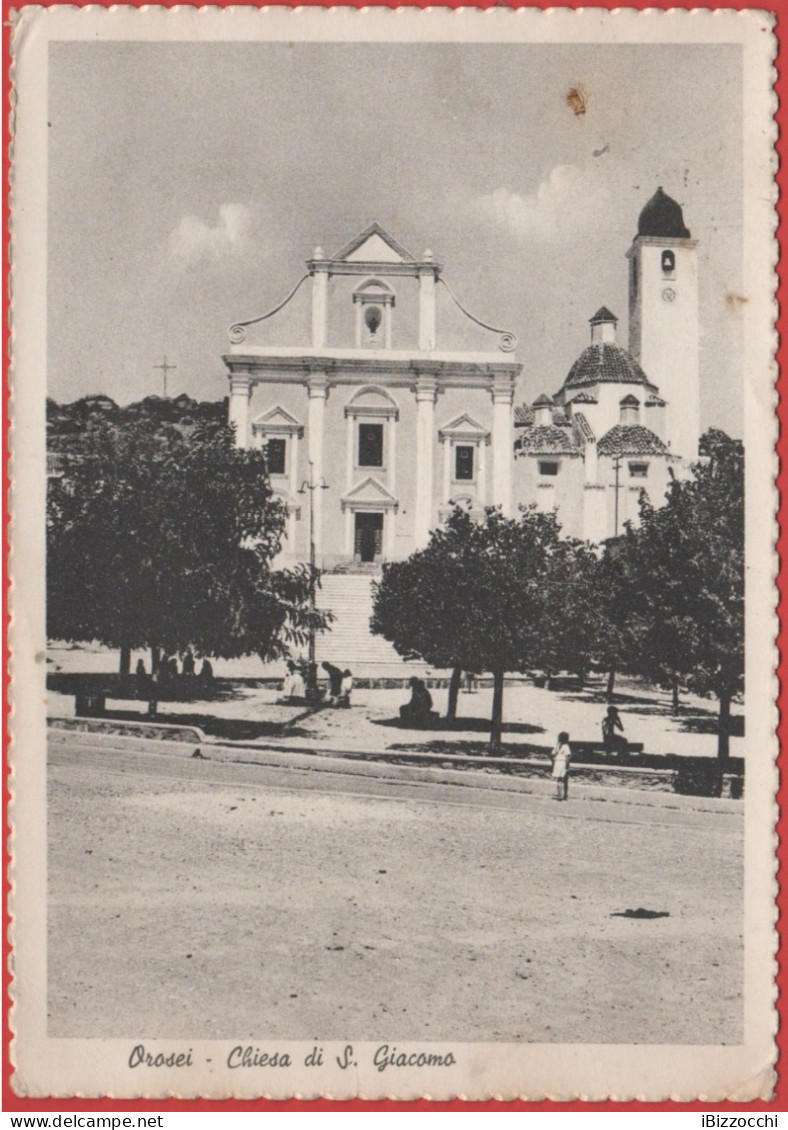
x=91, y=691
x=620, y=746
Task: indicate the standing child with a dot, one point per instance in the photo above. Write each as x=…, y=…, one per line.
x=562, y=755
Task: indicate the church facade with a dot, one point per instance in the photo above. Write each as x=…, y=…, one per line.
x=376, y=422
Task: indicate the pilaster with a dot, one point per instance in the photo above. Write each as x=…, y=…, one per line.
x=319, y=304
x=502, y=441
x=318, y=393
x=426, y=393
x=426, y=308
x=238, y=414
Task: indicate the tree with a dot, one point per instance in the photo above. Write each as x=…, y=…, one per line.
x=686, y=575
x=405, y=603
x=572, y=616
x=474, y=598
x=163, y=537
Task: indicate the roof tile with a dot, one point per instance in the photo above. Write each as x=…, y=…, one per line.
x=631, y=439
x=605, y=361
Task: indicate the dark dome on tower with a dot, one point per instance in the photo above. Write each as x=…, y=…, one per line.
x=662, y=218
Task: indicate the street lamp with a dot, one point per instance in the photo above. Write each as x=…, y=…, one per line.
x=311, y=486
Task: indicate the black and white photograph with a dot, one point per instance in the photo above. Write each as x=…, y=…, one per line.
x=394, y=415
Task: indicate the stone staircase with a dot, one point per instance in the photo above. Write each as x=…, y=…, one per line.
x=350, y=643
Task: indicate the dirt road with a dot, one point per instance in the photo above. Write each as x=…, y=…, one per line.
x=196, y=899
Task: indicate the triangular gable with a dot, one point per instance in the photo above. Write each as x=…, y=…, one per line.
x=277, y=419
x=368, y=493
x=374, y=245
x=464, y=425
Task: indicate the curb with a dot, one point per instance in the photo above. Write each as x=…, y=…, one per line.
x=629, y=778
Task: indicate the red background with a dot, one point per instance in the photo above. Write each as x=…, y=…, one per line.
x=12, y=1102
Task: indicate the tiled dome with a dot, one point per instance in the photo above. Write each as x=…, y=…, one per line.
x=605, y=361
x=547, y=441
x=631, y=439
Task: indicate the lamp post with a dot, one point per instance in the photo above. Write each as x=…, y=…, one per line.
x=617, y=466
x=311, y=486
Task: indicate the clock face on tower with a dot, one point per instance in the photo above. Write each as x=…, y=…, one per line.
x=668, y=294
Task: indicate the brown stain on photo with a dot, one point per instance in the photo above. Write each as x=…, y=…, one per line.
x=577, y=100
x=734, y=302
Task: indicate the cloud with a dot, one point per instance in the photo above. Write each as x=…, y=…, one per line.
x=565, y=203
x=194, y=241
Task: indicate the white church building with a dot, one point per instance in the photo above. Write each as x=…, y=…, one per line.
x=361, y=383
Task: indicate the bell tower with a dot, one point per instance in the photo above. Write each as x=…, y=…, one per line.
x=663, y=317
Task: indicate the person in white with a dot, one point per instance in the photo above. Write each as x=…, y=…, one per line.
x=345, y=688
x=562, y=755
x=293, y=684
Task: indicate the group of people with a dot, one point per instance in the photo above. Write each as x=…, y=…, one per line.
x=167, y=668
x=562, y=753
x=296, y=683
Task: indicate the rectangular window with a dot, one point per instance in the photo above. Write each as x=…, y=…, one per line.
x=548, y=468
x=370, y=445
x=276, y=453
x=638, y=470
x=463, y=463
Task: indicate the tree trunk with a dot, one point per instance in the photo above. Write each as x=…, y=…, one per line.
x=611, y=683
x=155, y=655
x=724, y=728
x=674, y=706
x=125, y=660
x=454, y=692
x=497, y=712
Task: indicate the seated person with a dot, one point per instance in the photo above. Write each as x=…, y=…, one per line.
x=335, y=678
x=610, y=739
x=293, y=686
x=419, y=709
x=345, y=688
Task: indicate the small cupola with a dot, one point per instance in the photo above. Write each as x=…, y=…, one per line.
x=543, y=411
x=603, y=326
x=630, y=410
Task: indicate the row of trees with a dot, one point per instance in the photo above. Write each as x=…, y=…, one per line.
x=665, y=601
x=163, y=536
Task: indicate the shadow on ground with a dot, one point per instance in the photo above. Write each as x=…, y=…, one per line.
x=460, y=725
x=707, y=725
x=476, y=749
x=231, y=729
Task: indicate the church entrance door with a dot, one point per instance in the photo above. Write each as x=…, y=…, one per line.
x=369, y=537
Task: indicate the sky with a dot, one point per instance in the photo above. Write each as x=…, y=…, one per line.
x=188, y=183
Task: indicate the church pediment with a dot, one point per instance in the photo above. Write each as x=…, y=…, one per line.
x=369, y=495
x=277, y=420
x=374, y=245
x=464, y=427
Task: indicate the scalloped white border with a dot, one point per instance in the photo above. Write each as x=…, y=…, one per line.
x=65, y=1068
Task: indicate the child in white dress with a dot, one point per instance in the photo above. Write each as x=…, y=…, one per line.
x=562, y=755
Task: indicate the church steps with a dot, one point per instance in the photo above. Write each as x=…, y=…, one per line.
x=349, y=643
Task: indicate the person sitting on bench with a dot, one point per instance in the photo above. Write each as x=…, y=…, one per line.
x=419, y=709
x=610, y=739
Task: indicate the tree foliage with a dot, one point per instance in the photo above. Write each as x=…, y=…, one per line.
x=160, y=536
x=475, y=597
x=684, y=567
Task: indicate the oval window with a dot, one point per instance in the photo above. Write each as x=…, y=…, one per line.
x=372, y=318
